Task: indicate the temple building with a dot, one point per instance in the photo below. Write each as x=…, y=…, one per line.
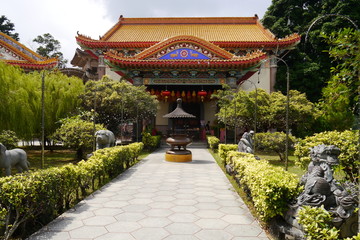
x=15, y=53
x=188, y=58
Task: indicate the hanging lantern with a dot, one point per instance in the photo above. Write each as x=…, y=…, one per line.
x=152, y=91
x=193, y=93
x=188, y=94
x=178, y=94
x=166, y=94
x=173, y=93
x=202, y=94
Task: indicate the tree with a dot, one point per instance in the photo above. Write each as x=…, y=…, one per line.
x=302, y=113
x=340, y=101
x=20, y=97
x=50, y=48
x=274, y=142
x=77, y=134
x=7, y=27
x=118, y=102
x=270, y=111
x=309, y=63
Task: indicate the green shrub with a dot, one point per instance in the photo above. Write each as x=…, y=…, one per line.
x=77, y=134
x=316, y=222
x=224, y=149
x=46, y=193
x=151, y=142
x=269, y=187
x=347, y=141
x=274, y=142
x=213, y=142
x=9, y=139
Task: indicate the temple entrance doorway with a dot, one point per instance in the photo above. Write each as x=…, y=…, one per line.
x=191, y=126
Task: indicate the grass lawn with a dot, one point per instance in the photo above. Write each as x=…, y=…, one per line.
x=55, y=158
x=58, y=158
x=274, y=159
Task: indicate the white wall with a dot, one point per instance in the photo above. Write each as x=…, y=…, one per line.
x=261, y=80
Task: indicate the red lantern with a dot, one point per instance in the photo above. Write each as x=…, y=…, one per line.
x=202, y=94
x=178, y=94
x=188, y=94
x=166, y=94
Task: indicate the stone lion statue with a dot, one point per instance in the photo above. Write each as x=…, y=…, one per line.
x=104, y=139
x=13, y=158
x=246, y=144
x=322, y=189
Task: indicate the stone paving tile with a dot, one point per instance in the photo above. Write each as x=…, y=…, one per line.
x=159, y=200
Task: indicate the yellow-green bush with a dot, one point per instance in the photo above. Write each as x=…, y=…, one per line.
x=224, y=149
x=46, y=193
x=151, y=142
x=213, y=142
x=317, y=224
x=270, y=188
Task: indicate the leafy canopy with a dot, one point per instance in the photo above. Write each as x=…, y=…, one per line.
x=50, y=47
x=310, y=65
x=340, y=101
x=20, y=97
x=118, y=102
x=7, y=27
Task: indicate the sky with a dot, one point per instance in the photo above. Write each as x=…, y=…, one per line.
x=63, y=19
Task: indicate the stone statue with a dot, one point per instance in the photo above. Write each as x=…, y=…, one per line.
x=104, y=139
x=15, y=157
x=246, y=143
x=321, y=189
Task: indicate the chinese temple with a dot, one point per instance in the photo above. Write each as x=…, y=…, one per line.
x=14, y=53
x=188, y=58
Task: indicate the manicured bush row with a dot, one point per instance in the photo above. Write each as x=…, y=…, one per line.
x=348, y=143
x=151, y=142
x=224, y=149
x=270, y=188
x=213, y=142
x=42, y=195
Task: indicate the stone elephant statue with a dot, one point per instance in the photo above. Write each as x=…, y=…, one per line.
x=13, y=158
x=104, y=139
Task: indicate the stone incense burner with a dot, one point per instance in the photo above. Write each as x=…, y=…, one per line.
x=179, y=141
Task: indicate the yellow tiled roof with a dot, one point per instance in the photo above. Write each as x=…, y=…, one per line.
x=238, y=29
x=246, y=32
x=208, y=32
x=26, y=58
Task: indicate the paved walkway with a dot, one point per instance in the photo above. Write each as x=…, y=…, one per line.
x=160, y=200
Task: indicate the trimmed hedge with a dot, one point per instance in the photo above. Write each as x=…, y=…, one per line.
x=224, y=149
x=269, y=187
x=213, y=142
x=151, y=142
x=40, y=196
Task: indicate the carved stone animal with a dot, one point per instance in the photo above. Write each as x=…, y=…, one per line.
x=104, y=139
x=246, y=143
x=13, y=158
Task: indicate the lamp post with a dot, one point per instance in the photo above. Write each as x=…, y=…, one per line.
x=255, y=117
x=287, y=109
x=43, y=120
